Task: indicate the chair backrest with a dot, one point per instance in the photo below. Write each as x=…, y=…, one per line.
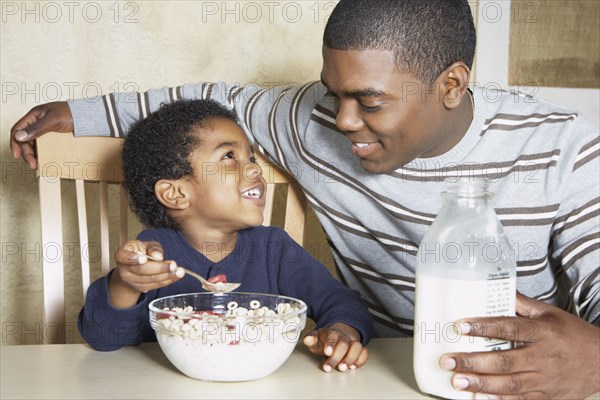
x=97, y=160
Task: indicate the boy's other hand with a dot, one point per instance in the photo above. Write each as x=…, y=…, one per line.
x=341, y=343
x=44, y=118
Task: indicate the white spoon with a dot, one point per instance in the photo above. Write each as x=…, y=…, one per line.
x=219, y=287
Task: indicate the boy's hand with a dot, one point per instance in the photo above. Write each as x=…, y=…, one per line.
x=39, y=120
x=341, y=343
x=137, y=274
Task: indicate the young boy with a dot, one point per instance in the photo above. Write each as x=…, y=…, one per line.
x=191, y=175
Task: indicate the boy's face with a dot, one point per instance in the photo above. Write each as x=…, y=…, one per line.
x=227, y=189
x=391, y=118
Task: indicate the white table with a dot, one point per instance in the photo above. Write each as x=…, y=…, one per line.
x=75, y=371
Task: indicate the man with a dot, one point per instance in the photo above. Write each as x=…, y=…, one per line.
x=372, y=144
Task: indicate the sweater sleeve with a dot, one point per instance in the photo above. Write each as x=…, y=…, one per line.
x=106, y=328
x=576, y=231
x=328, y=300
x=273, y=118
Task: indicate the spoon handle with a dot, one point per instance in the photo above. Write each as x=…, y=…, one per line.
x=211, y=287
x=195, y=275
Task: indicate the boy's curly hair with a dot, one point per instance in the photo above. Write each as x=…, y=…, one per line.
x=159, y=147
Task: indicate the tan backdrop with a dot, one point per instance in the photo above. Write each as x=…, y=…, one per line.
x=58, y=50
x=53, y=51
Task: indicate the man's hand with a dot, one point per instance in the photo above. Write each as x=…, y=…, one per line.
x=557, y=355
x=341, y=343
x=135, y=274
x=39, y=120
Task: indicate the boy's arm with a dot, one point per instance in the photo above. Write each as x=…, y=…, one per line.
x=329, y=300
x=106, y=328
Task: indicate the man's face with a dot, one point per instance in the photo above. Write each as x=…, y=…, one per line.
x=391, y=118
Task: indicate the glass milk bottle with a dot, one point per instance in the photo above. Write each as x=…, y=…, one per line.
x=465, y=268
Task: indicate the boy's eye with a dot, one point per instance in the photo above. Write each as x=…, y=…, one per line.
x=253, y=159
x=229, y=155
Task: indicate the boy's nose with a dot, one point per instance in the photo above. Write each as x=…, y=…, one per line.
x=253, y=171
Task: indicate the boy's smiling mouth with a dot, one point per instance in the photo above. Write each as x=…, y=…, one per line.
x=255, y=192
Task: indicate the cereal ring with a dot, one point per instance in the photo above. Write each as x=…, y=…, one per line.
x=254, y=304
x=232, y=305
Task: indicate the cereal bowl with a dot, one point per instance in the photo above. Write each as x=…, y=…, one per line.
x=227, y=337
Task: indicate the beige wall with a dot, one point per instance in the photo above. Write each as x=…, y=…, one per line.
x=54, y=50
x=58, y=50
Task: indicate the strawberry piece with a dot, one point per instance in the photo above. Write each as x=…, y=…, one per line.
x=221, y=278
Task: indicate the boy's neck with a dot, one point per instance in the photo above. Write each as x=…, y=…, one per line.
x=213, y=244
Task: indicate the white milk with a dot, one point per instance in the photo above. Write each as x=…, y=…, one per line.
x=443, y=301
x=221, y=361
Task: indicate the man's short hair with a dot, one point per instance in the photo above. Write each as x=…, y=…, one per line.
x=426, y=36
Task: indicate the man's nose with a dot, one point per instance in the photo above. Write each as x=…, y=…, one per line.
x=348, y=118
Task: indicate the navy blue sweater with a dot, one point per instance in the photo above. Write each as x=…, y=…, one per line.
x=265, y=260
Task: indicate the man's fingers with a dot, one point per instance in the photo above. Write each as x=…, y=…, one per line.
x=528, y=307
x=44, y=118
x=514, y=329
x=491, y=362
x=29, y=155
x=526, y=384
x=26, y=128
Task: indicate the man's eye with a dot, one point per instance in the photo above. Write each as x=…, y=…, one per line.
x=229, y=155
x=253, y=160
x=369, y=109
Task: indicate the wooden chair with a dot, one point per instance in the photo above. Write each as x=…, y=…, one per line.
x=96, y=160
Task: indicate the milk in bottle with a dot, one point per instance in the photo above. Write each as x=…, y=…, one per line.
x=465, y=268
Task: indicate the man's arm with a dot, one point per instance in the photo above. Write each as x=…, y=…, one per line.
x=271, y=117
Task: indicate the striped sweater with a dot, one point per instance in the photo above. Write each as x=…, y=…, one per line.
x=542, y=162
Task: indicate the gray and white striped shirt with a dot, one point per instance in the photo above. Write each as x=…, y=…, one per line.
x=542, y=162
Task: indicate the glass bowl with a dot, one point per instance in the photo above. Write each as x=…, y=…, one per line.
x=227, y=337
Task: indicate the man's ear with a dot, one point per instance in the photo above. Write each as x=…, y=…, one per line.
x=454, y=82
x=171, y=194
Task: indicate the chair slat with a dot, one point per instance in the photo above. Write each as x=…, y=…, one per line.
x=104, y=228
x=52, y=259
x=268, y=211
x=84, y=242
x=123, y=212
x=295, y=213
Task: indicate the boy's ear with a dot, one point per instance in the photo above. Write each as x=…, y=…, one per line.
x=454, y=82
x=171, y=194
